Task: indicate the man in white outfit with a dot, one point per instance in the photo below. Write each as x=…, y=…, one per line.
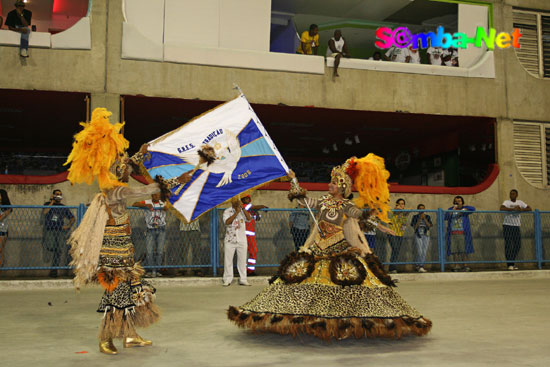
x=235, y=240
x=511, y=227
x=337, y=48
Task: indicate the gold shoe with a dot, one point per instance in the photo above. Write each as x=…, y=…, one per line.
x=107, y=346
x=138, y=341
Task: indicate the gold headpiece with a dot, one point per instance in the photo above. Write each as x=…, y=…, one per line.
x=370, y=178
x=343, y=180
x=120, y=165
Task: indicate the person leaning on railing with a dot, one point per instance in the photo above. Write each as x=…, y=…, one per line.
x=155, y=238
x=459, y=234
x=511, y=227
x=190, y=237
x=398, y=223
x=298, y=223
x=421, y=223
x=4, y=212
x=309, y=41
x=55, y=229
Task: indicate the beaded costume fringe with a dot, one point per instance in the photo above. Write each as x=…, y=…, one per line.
x=120, y=323
x=329, y=328
x=109, y=278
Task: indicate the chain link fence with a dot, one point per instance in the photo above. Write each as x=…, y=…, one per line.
x=542, y=236
x=455, y=241
x=35, y=237
x=489, y=237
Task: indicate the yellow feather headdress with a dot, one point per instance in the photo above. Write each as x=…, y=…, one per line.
x=96, y=148
x=370, y=179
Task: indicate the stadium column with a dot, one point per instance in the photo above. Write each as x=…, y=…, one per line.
x=109, y=101
x=505, y=157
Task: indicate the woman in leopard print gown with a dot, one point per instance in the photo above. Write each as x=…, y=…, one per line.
x=333, y=287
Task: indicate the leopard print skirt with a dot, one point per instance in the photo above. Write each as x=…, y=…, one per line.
x=333, y=293
x=129, y=306
x=128, y=299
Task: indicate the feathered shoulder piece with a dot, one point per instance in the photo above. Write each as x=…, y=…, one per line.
x=95, y=150
x=85, y=241
x=370, y=179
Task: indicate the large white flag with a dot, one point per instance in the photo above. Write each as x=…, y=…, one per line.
x=246, y=157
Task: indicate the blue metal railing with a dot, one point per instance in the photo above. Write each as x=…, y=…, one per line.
x=26, y=247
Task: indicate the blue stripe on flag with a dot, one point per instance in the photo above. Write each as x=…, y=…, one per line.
x=162, y=159
x=258, y=170
x=175, y=197
x=258, y=147
x=170, y=171
x=249, y=133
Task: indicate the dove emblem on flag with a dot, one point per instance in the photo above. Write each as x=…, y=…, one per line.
x=227, y=156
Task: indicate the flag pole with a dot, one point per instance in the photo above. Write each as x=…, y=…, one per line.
x=237, y=88
x=321, y=233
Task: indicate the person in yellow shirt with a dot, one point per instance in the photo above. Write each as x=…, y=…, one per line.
x=309, y=42
x=398, y=223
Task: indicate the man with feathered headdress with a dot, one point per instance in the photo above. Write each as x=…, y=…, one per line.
x=101, y=247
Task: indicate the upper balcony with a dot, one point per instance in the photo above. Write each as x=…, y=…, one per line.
x=198, y=49
x=264, y=34
x=56, y=24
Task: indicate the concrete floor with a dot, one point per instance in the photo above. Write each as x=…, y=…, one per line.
x=476, y=323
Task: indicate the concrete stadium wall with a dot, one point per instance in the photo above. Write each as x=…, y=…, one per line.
x=526, y=96
x=513, y=94
x=59, y=70
x=102, y=71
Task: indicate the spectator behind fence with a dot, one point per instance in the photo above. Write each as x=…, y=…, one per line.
x=370, y=234
x=4, y=212
x=234, y=219
x=435, y=55
x=1, y=22
x=398, y=223
x=376, y=56
x=450, y=57
x=55, y=229
x=155, y=237
x=251, y=232
x=459, y=235
x=309, y=42
x=190, y=234
x=19, y=20
x=298, y=222
x=337, y=47
x=511, y=227
x=421, y=223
